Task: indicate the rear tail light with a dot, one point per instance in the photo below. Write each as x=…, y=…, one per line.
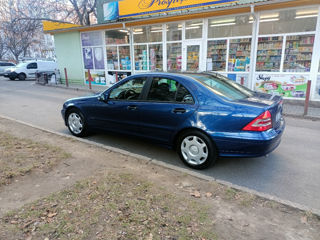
x=261, y=123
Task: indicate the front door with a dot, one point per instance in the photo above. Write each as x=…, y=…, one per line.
x=192, y=56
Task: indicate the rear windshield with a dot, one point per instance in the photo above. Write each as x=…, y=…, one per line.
x=223, y=86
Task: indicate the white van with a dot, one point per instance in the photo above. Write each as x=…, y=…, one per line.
x=28, y=70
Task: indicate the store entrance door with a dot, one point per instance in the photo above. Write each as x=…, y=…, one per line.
x=191, y=56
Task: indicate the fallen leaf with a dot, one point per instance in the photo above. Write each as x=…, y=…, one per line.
x=304, y=219
x=51, y=215
x=208, y=194
x=14, y=222
x=196, y=194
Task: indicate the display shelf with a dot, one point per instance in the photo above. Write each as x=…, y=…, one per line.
x=269, y=54
x=298, y=53
x=193, y=58
x=174, y=54
x=140, y=57
x=239, y=55
x=217, y=55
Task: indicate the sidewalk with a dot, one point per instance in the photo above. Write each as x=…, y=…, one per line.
x=293, y=108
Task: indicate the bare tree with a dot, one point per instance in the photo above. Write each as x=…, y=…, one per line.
x=3, y=48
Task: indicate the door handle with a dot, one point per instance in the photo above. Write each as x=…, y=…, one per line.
x=179, y=110
x=132, y=108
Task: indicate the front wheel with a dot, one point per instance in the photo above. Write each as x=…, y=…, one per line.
x=196, y=149
x=22, y=76
x=76, y=123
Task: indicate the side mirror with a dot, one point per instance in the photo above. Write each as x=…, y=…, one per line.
x=103, y=97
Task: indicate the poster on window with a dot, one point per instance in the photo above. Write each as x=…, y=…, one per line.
x=317, y=94
x=91, y=39
x=282, y=84
x=87, y=58
x=98, y=58
x=97, y=77
x=239, y=78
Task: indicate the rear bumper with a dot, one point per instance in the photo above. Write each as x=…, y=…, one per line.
x=249, y=144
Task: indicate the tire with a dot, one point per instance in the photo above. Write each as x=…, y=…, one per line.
x=22, y=76
x=76, y=123
x=196, y=149
x=12, y=78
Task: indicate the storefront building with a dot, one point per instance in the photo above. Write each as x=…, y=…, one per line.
x=268, y=46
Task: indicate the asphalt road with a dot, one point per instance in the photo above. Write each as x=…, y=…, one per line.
x=291, y=172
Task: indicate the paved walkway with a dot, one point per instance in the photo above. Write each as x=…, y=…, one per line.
x=290, y=108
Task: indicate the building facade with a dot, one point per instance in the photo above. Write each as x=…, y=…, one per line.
x=268, y=46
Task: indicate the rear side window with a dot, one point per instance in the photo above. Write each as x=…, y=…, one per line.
x=168, y=90
x=32, y=66
x=223, y=86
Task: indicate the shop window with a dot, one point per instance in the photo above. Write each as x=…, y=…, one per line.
x=174, y=32
x=217, y=55
x=269, y=54
x=298, y=53
x=121, y=36
x=230, y=26
x=156, y=57
x=147, y=34
x=125, y=59
x=112, y=58
x=141, y=57
x=174, y=54
x=91, y=39
x=194, y=29
x=288, y=21
x=239, y=55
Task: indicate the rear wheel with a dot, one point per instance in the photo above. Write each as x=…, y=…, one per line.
x=196, y=149
x=76, y=123
x=22, y=76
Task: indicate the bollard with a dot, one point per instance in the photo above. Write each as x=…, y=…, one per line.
x=306, y=104
x=89, y=79
x=66, y=75
x=242, y=81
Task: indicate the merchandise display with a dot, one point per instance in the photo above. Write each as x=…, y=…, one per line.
x=239, y=55
x=124, y=56
x=141, y=57
x=156, y=58
x=298, y=53
x=269, y=54
x=217, y=55
x=174, y=53
x=193, y=57
x=112, y=58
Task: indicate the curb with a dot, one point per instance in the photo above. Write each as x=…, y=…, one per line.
x=70, y=88
x=175, y=168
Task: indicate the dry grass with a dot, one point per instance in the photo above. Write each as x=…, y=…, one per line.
x=21, y=156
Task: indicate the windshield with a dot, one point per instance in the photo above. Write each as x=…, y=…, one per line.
x=223, y=86
x=21, y=64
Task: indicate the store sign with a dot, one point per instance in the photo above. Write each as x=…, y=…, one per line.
x=129, y=8
x=282, y=84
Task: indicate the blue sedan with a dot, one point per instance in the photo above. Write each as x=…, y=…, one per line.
x=202, y=115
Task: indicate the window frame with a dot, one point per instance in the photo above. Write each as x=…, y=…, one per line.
x=150, y=80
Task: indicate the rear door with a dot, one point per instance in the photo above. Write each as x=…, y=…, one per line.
x=167, y=105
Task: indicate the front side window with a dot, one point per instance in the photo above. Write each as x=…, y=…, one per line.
x=32, y=66
x=168, y=90
x=130, y=90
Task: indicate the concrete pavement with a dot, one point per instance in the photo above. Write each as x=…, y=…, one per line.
x=292, y=172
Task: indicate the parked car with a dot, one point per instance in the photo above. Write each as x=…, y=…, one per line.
x=4, y=66
x=28, y=70
x=202, y=115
